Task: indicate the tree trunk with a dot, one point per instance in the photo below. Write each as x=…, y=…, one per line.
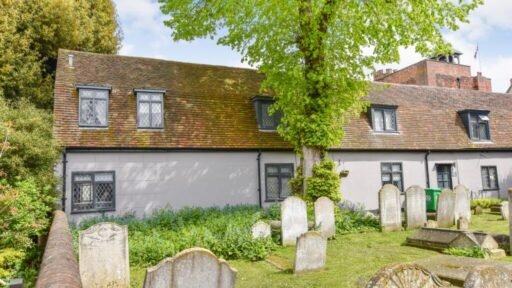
x=310, y=157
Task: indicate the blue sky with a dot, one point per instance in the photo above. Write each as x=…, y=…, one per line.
x=145, y=35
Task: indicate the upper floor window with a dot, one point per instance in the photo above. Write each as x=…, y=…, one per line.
x=93, y=106
x=384, y=118
x=477, y=124
x=150, y=108
x=266, y=120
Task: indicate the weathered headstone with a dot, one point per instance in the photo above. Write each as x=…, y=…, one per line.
x=103, y=256
x=389, y=208
x=504, y=210
x=294, y=220
x=415, y=207
x=310, y=253
x=445, y=209
x=488, y=277
x=431, y=224
x=261, y=230
x=462, y=223
x=324, y=216
x=405, y=275
x=194, y=268
x=479, y=210
x=462, y=202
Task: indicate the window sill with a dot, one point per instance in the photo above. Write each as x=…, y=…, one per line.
x=267, y=130
x=386, y=133
x=93, y=211
x=160, y=129
x=482, y=142
x=93, y=127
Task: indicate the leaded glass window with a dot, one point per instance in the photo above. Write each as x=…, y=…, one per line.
x=384, y=119
x=93, y=191
x=150, y=110
x=391, y=173
x=93, y=110
x=277, y=177
x=266, y=119
x=490, y=178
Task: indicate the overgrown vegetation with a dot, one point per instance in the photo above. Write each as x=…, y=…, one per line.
x=475, y=252
x=485, y=203
x=324, y=182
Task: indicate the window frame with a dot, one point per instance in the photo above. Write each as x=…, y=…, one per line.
x=94, y=184
x=482, y=168
x=151, y=92
x=280, y=177
x=382, y=172
x=81, y=88
x=258, y=105
x=449, y=174
x=466, y=119
x=382, y=109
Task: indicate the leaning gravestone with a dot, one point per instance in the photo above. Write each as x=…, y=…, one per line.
x=504, y=210
x=415, y=207
x=488, y=277
x=405, y=276
x=261, y=230
x=462, y=202
x=191, y=268
x=103, y=256
x=324, y=216
x=294, y=220
x=310, y=253
x=445, y=209
x=389, y=208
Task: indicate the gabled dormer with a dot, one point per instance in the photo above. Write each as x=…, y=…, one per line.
x=266, y=120
x=477, y=124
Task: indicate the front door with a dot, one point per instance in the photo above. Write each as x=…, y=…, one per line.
x=444, y=176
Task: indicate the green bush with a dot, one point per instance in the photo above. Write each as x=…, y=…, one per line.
x=348, y=221
x=475, y=252
x=10, y=262
x=324, y=182
x=226, y=232
x=485, y=202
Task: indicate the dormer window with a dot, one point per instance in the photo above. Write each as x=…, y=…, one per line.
x=93, y=106
x=150, y=108
x=477, y=124
x=266, y=121
x=383, y=118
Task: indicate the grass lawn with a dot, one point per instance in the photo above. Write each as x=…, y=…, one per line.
x=351, y=259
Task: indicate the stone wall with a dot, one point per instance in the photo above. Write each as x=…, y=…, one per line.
x=59, y=267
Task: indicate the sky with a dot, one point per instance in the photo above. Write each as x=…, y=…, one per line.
x=490, y=27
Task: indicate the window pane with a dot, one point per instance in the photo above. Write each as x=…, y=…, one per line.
x=272, y=188
x=143, y=96
x=286, y=170
x=143, y=114
x=87, y=111
x=272, y=170
x=156, y=97
x=472, y=118
x=82, y=178
x=103, y=177
x=386, y=178
x=378, y=120
x=285, y=187
x=493, y=178
x=386, y=167
x=156, y=117
x=104, y=195
x=482, y=131
x=93, y=93
x=396, y=167
x=101, y=112
x=485, y=178
x=267, y=121
x=389, y=116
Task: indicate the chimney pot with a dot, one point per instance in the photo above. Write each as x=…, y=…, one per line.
x=70, y=60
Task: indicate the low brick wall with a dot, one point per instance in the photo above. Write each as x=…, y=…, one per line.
x=59, y=267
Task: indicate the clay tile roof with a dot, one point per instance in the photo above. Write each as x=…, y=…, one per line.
x=210, y=107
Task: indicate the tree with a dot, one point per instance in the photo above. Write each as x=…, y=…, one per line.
x=314, y=53
x=31, y=32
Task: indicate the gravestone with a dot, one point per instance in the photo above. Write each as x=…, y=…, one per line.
x=405, y=276
x=445, y=209
x=103, y=256
x=194, y=268
x=462, y=223
x=479, y=210
x=504, y=210
x=488, y=277
x=261, y=230
x=415, y=207
x=310, y=253
x=389, y=208
x=462, y=202
x=294, y=220
x=324, y=216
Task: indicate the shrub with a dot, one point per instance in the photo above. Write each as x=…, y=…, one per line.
x=10, y=262
x=475, y=252
x=350, y=221
x=324, y=182
x=485, y=202
x=226, y=232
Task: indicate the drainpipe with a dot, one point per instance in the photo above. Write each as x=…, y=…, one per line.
x=426, y=168
x=258, y=159
x=64, y=162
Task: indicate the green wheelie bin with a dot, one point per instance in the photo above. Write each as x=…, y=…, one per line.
x=431, y=195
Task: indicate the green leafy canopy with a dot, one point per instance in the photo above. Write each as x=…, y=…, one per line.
x=314, y=53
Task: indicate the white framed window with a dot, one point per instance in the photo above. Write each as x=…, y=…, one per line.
x=93, y=106
x=150, y=109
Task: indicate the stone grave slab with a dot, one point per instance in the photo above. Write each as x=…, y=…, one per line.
x=389, y=208
x=455, y=269
x=191, y=268
x=294, y=220
x=488, y=277
x=310, y=253
x=324, y=217
x=405, y=275
x=103, y=256
x=415, y=207
x=445, y=209
x=261, y=230
x=441, y=238
x=462, y=202
x=486, y=241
